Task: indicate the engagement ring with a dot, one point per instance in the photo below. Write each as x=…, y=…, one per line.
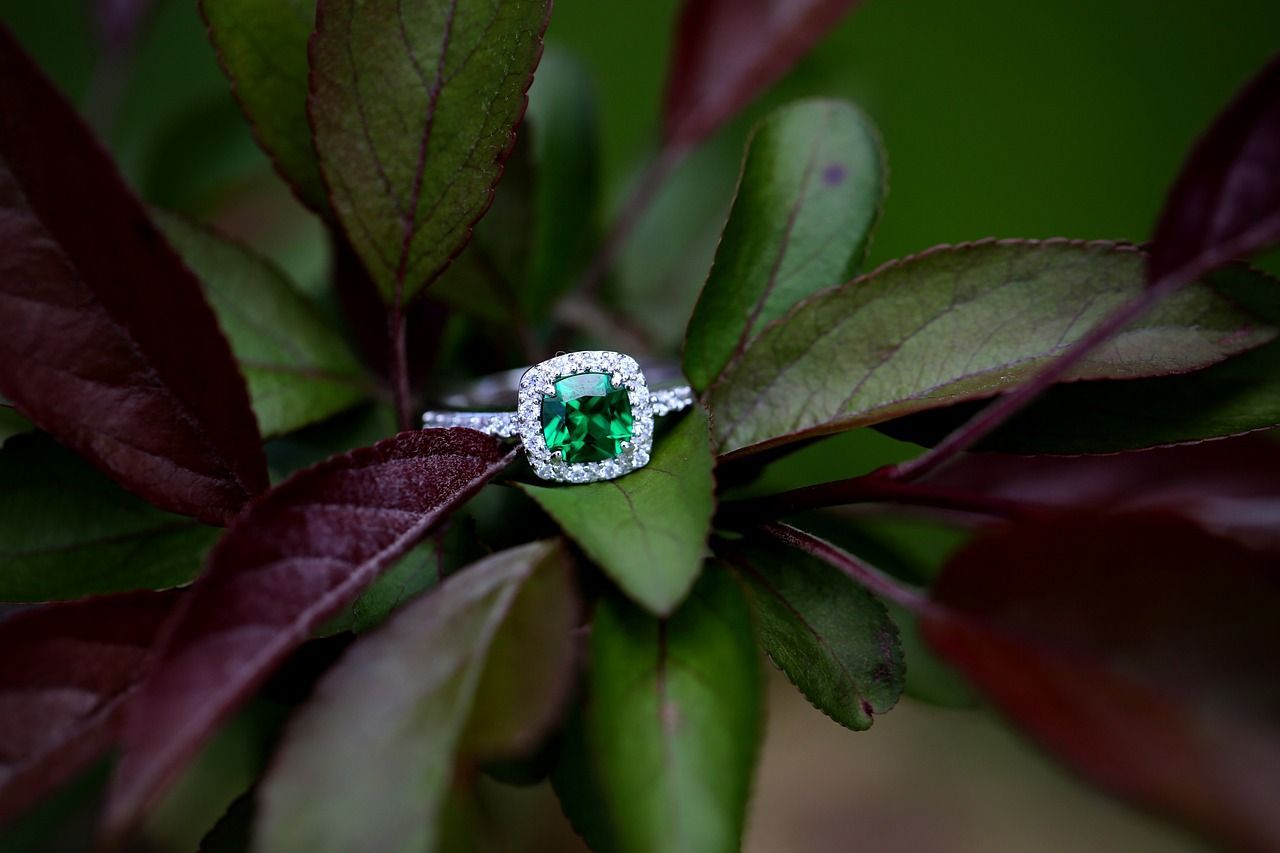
x=581, y=416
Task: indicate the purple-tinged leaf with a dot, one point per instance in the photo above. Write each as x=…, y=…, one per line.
x=1226, y=201
x=292, y=560
x=728, y=51
x=1138, y=649
x=1227, y=487
x=414, y=108
x=105, y=339
x=479, y=668
x=65, y=673
x=959, y=323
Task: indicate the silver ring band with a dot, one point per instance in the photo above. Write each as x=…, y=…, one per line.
x=520, y=403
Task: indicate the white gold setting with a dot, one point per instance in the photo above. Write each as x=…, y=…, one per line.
x=539, y=381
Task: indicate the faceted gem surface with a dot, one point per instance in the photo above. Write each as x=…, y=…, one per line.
x=588, y=419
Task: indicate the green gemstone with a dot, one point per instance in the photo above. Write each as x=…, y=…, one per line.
x=588, y=419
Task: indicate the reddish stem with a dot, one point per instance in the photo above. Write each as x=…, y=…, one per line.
x=864, y=574
x=878, y=488
x=642, y=195
x=986, y=421
x=400, y=369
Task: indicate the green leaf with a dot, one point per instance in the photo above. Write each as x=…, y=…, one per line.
x=1240, y=395
x=810, y=195
x=12, y=423
x=414, y=108
x=562, y=119
x=647, y=530
x=832, y=638
x=263, y=49
x=369, y=762
x=67, y=531
x=299, y=370
x=673, y=717
x=960, y=323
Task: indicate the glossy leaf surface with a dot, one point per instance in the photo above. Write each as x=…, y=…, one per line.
x=648, y=529
x=960, y=323
x=299, y=370
x=809, y=196
x=105, y=339
x=1226, y=201
x=728, y=51
x=478, y=667
x=414, y=108
x=833, y=639
x=68, y=532
x=263, y=50
x=1136, y=648
x=67, y=671
x=302, y=552
x=673, y=719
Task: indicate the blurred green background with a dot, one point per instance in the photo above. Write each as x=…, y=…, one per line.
x=1001, y=118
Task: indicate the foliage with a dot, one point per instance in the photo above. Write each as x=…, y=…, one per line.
x=1119, y=609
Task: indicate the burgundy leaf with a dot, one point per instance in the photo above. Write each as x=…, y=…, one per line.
x=293, y=559
x=67, y=671
x=1137, y=648
x=1228, y=487
x=105, y=338
x=1226, y=201
x=728, y=51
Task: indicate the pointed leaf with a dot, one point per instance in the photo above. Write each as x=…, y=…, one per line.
x=674, y=719
x=807, y=201
x=1226, y=202
x=1240, y=395
x=263, y=50
x=647, y=530
x=478, y=667
x=833, y=639
x=297, y=556
x=299, y=369
x=729, y=51
x=66, y=531
x=1138, y=649
x=105, y=339
x=67, y=671
x=414, y=108
x=959, y=323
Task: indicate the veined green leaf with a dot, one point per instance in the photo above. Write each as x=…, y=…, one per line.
x=832, y=638
x=647, y=530
x=809, y=197
x=960, y=323
x=263, y=49
x=478, y=668
x=672, y=718
x=67, y=531
x=414, y=108
x=299, y=370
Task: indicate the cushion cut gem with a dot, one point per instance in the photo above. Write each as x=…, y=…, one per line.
x=587, y=419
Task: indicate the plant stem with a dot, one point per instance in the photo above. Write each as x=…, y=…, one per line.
x=864, y=574
x=878, y=488
x=400, y=368
x=986, y=421
x=642, y=195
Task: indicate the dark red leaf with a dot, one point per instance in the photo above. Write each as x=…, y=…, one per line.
x=67, y=670
x=1228, y=487
x=1226, y=201
x=105, y=338
x=292, y=560
x=728, y=51
x=1139, y=649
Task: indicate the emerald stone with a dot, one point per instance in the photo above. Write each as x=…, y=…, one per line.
x=587, y=419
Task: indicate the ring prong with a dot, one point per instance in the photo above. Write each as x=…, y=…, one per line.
x=625, y=445
x=616, y=380
x=549, y=390
x=557, y=456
